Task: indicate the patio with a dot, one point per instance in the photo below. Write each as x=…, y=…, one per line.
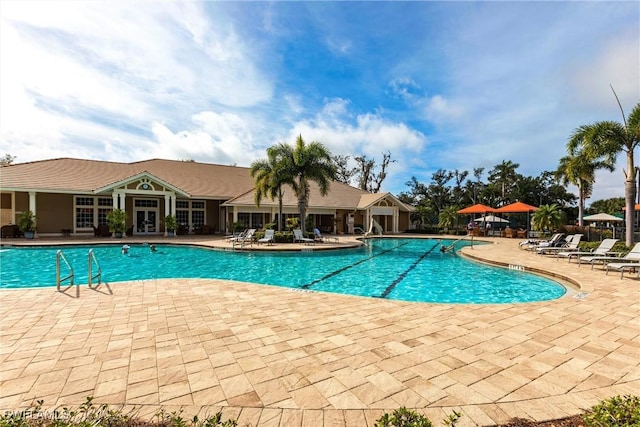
x=277, y=357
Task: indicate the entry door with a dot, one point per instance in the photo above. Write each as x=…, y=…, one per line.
x=146, y=221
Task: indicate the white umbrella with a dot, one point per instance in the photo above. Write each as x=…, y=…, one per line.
x=601, y=217
x=490, y=218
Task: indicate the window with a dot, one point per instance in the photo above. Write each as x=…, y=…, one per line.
x=190, y=212
x=91, y=211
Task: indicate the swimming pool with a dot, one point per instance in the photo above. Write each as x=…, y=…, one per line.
x=401, y=269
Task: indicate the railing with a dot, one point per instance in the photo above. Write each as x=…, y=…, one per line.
x=93, y=260
x=69, y=277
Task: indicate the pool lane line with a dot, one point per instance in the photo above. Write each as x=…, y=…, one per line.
x=333, y=273
x=401, y=277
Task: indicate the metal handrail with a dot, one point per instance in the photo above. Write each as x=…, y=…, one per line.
x=70, y=276
x=98, y=275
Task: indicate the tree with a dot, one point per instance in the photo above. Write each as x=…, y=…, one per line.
x=302, y=164
x=611, y=206
x=547, y=217
x=580, y=170
x=368, y=179
x=269, y=181
x=504, y=176
x=7, y=160
x=448, y=217
x=607, y=139
x=344, y=174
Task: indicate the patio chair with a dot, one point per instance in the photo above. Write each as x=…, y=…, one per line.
x=632, y=256
x=540, y=243
x=299, y=237
x=244, y=237
x=570, y=245
x=602, y=250
x=622, y=266
x=268, y=237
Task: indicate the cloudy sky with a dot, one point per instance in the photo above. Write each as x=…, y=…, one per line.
x=438, y=84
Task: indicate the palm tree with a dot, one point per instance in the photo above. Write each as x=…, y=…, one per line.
x=547, y=217
x=578, y=169
x=299, y=165
x=448, y=217
x=606, y=140
x=505, y=176
x=268, y=182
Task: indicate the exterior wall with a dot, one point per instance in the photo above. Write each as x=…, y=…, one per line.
x=54, y=212
x=403, y=222
x=6, y=209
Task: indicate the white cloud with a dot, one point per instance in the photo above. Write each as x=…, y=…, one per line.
x=215, y=137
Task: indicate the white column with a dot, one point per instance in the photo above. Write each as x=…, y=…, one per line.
x=114, y=196
x=167, y=205
x=32, y=201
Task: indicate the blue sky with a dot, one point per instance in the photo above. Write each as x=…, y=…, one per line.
x=452, y=85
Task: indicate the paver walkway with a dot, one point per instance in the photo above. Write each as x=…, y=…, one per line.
x=275, y=357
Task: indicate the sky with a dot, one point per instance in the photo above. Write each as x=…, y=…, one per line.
x=439, y=85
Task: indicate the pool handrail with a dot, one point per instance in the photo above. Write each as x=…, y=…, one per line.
x=70, y=276
x=98, y=275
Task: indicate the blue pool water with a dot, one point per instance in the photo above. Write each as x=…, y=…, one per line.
x=401, y=269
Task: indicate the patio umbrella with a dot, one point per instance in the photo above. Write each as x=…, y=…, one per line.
x=601, y=217
x=478, y=208
x=490, y=218
x=518, y=207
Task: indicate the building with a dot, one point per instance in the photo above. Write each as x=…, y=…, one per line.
x=73, y=196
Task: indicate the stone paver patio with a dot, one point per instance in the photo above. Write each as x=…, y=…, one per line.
x=271, y=356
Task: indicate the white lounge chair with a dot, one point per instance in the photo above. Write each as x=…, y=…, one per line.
x=603, y=249
x=532, y=244
x=299, y=237
x=571, y=245
x=632, y=256
x=622, y=266
x=244, y=238
x=268, y=237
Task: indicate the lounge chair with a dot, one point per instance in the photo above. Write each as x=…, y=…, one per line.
x=268, y=237
x=632, y=256
x=603, y=249
x=319, y=237
x=298, y=237
x=246, y=237
x=622, y=266
x=532, y=244
x=571, y=245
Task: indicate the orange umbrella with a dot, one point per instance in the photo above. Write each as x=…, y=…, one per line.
x=517, y=207
x=478, y=208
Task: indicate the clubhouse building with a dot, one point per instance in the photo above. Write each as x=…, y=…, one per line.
x=73, y=197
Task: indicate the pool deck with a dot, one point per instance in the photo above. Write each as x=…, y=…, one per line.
x=272, y=356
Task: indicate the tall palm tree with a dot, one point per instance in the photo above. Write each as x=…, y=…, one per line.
x=579, y=169
x=299, y=165
x=606, y=140
x=268, y=181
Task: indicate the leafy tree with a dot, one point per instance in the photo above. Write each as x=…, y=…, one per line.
x=7, y=160
x=606, y=140
x=579, y=169
x=298, y=166
x=421, y=216
x=504, y=176
x=547, y=217
x=611, y=206
x=439, y=195
x=344, y=174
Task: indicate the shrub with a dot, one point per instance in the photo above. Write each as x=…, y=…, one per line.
x=403, y=417
x=616, y=411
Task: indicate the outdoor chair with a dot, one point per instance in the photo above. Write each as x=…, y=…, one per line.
x=632, y=256
x=603, y=249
